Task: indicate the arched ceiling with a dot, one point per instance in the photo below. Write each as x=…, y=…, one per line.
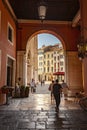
x=57, y=10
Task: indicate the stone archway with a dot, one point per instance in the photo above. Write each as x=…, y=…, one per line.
x=50, y=32
x=32, y=47
x=72, y=63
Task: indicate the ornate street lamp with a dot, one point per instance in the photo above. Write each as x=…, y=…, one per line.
x=42, y=10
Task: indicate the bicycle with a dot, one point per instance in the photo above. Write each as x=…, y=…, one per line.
x=83, y=103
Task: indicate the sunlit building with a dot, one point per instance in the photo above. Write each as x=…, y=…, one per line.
x=40, y=63
x=31, y=68
x=51, y=63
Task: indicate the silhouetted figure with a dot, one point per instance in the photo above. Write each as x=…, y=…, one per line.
x=56, y=92
x=51, y=89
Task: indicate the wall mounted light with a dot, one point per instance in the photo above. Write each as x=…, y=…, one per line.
x=82, y=45
x=42, y=10
x=82, y=49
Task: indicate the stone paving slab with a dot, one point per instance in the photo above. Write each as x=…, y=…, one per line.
x=38, y=113
x=64, y=120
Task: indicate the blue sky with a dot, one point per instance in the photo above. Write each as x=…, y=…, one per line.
x=47, y=39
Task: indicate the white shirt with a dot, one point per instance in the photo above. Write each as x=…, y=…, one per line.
x=32, y=83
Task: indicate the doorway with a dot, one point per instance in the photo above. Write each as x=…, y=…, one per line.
x=10, y=68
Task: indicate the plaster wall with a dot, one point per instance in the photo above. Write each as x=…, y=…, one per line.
x=64, y=31
x=6, y=48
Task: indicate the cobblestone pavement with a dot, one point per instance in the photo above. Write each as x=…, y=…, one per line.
x=37, y=112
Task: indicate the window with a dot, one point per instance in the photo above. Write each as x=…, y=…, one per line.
x=10, y=33
x=44, y=56
x=61, y=68
x=48, y=55
x=40, y=58
x=44, y=69
x=40, y=63
x=9, y=72
x=58, y=65
x=52, y=62
x=51, y=55
x=54, y=58
x=61, y=56
x=52, y=69
x=48, y=69
x=58, y=57
x=61, y=63
x=48, y=62
x=54, y=65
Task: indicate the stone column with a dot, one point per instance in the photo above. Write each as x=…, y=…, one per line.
x=73, y=71
x=21, y=67
x=83, y=7
x=14, y=72
x=24, y=70
x=85, y=75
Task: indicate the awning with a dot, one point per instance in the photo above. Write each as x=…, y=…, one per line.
x=59, y=73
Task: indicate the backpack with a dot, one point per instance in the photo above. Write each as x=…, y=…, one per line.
x=56, y=88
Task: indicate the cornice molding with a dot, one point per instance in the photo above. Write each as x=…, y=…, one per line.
x=9, y=8
x=44, y=22
x=76, y=19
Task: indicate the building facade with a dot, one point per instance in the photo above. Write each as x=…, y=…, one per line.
x=51, y=62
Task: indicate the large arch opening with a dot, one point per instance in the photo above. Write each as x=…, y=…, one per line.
x=28, y=65
x=45, y=62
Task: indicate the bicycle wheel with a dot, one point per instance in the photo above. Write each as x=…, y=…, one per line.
x=83, y=103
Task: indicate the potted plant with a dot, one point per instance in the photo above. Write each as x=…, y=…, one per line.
x=22, y=91
x=26, y=91
x=4, y=89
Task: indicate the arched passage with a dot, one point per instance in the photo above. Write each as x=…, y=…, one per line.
x=32, y=69
x=73, y=72
x=64, y=31
x=50, y=32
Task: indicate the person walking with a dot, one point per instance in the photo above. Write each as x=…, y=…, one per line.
x=57, y=88
x=41, y=83
x=32, y=84
x=51, y=89
x=65, y=89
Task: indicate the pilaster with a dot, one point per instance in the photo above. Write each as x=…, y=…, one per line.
x=73, y=71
